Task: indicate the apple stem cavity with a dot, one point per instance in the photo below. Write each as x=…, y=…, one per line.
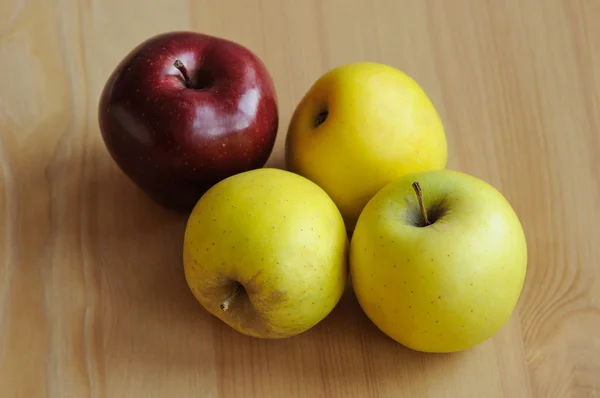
x=229, y=300
x=321, y=117
x=181, y=67
x=417, y=187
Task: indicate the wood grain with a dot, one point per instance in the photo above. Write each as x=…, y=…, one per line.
x=92, y=297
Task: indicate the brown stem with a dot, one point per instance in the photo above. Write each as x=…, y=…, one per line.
x=419, y=193
x=229, y=300
x=179, y=65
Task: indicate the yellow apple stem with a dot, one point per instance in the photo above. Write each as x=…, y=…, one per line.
x=227, y=302
x=181, y=67
x=419, y=193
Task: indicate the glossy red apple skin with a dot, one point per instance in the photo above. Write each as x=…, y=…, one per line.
x=174, y=141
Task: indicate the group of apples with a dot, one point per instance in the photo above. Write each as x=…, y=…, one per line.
x=436, y=257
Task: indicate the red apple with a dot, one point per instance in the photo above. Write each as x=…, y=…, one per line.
x=185, y=110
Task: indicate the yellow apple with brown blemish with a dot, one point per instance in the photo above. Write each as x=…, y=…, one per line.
x=266, y=251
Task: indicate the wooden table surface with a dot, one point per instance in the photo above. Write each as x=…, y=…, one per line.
x=93, y=302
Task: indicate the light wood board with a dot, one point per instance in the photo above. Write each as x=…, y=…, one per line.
x=93, y=302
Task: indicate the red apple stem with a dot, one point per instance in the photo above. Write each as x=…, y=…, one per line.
x=417, y=187
x=181, y=67
x=229, y=300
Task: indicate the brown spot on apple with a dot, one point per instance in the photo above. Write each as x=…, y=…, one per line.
x=245, y=305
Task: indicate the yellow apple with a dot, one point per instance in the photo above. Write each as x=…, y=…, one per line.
x=359, y=127
x=266, y=251
x=447, y=284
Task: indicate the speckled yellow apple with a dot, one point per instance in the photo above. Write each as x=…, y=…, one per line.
x=440, y=274
x=360, y=126
x=266, y=251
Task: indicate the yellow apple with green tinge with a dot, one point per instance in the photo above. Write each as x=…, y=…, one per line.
x=359, y=127
x=266, y=251
x=445, y=284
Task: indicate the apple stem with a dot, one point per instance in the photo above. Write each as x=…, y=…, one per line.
x=417, y=187
x=227, y=302
x=181, y=67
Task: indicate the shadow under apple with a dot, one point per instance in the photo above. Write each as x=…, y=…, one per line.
x=344, y=355
x=142, y=319
x=152, y=321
